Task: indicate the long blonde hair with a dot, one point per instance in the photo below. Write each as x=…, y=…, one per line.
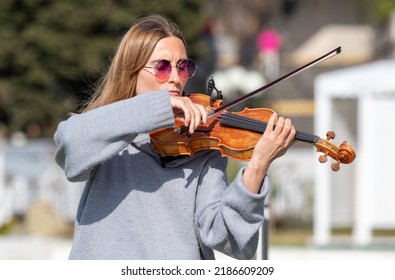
x=131, y=56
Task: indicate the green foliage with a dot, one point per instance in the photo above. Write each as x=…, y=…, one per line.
x=13, y=225
x=377, y=11
x=51, y=52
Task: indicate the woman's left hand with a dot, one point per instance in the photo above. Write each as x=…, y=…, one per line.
x=273, y=144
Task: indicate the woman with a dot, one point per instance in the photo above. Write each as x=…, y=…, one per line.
x=135, y=205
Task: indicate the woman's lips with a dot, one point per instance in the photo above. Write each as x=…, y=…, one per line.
x=174, y=92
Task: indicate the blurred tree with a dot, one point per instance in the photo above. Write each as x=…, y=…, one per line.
x=377, y=11
x=51, y=52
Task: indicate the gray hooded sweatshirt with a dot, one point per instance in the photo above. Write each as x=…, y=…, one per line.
x=135, y=205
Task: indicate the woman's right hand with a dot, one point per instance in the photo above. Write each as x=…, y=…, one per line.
x=190, y=113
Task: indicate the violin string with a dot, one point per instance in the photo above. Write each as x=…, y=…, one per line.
x=242, y=122
x=259, y=126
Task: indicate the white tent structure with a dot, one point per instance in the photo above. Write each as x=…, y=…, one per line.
x=356, y=42
x=358, y=103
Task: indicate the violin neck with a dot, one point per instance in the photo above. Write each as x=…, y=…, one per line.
x=241, y=122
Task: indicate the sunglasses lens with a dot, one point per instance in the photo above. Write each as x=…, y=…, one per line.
x=186, y=68
x=163, y=69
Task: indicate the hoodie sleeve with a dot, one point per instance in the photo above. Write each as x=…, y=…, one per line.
x=228, y=218
x=88, y=139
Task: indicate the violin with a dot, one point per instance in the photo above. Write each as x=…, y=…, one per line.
x=235, y=135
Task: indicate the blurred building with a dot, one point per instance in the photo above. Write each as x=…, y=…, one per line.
x=360, y=102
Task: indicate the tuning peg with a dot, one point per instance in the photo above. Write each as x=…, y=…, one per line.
x=335, y=165
x=330, y=135
x=323, y=158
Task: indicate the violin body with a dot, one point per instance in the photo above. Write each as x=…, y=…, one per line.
x=235, y=135
x=231, y=142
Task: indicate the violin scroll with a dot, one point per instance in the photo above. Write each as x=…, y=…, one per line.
x=344, y=154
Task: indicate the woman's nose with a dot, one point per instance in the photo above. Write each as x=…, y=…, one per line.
x=174, y=75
